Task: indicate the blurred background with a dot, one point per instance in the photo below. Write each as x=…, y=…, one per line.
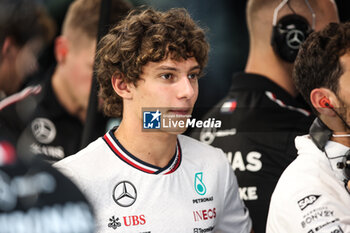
x=226, y=30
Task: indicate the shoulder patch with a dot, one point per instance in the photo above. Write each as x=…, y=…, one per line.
x=229, y=106
x=308, y=200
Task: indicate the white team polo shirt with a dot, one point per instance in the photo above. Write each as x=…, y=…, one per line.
x=196, y=192
x=311, y=196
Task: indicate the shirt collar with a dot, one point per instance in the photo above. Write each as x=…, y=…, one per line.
x=121, y=152
x=334, y=152
x=242, y=81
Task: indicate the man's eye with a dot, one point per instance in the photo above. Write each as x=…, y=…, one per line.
x=193, y=76
x=166, y=76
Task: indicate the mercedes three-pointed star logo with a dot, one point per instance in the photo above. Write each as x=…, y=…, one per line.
x=295, y=38
x=124, y=194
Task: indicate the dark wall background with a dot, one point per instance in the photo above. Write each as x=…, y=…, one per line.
x=226, y=31
x=228, y=38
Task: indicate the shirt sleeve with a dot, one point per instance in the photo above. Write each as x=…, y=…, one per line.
x=308, y=212
x=67, y=172
x=235, y=216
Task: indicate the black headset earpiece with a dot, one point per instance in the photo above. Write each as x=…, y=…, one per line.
x=290, y=31
x=320, y=135
x=345, y=165
x=288, y=34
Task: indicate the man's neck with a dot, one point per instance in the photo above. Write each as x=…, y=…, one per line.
x=64, y=97
x=339, y=129
x=269, y=65
x=342, y=140
x=156, y=148
x=342, y=135
x=5, y=78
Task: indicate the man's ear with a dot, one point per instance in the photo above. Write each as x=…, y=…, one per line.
x=9, y=49
x=120, y=86
x=61, y=49
x=323, y=100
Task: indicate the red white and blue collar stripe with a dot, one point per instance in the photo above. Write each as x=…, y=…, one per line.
x=133, y=161
x=273, y=97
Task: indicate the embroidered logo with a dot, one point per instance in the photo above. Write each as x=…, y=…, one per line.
x=124, y=194
x=43, y=130
x=114, y=223
x=198, y=183
x=308, y=200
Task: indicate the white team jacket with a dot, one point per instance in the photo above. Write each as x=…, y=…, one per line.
x=197, y=192
x=311, y=196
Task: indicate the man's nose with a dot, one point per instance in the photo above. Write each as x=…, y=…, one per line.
x=186, y=88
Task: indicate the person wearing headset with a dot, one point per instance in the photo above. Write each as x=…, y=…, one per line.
x=263, y=112
x=312, y=193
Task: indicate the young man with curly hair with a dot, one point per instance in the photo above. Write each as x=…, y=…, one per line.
x=155, y=181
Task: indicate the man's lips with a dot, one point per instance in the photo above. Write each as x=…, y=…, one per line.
x=185, y=111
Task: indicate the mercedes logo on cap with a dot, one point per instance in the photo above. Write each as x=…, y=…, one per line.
x=124, y=194
x=295, y=38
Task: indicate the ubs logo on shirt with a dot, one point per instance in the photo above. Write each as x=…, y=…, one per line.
x=127, y=221
x=114, y=223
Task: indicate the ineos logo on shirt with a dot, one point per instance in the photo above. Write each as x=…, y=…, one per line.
x=124, y=194
x=43, y=130
x=306, y=201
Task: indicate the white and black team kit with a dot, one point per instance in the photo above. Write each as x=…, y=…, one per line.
x=196, y=192
x=311, y=196
x=260, y=121
x=35, y=122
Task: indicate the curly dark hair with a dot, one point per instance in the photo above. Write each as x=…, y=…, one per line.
x=145, y=35
x=317, y=64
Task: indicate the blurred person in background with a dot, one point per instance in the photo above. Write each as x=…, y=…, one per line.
x=48, y=119
x=25, y=29
x=35, y=197
x=263, y=111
